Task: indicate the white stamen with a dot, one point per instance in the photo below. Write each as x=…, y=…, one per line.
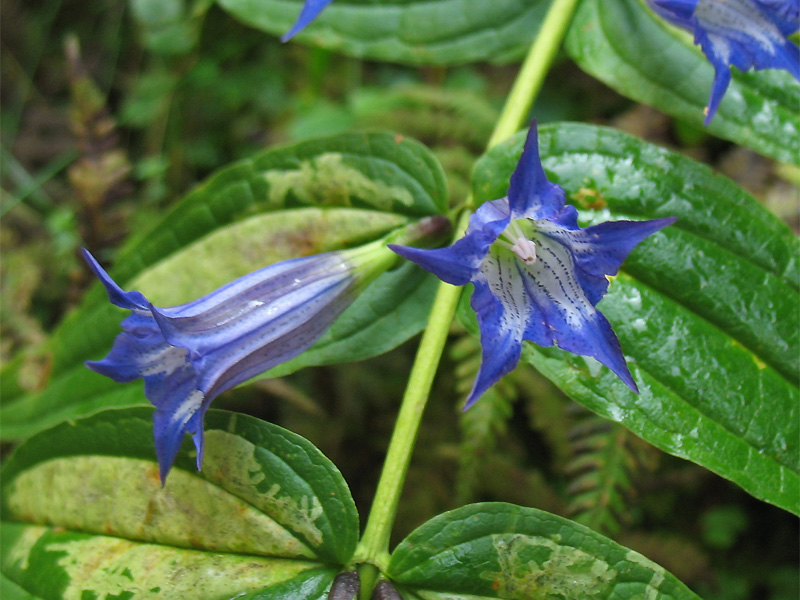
x=525, y=249
x=514, y=239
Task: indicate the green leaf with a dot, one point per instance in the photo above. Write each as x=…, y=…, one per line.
x=625, y=45
x=706, y=310
x=312, y=197
x=167, y=27
x=439, y=32
x=76, y=393
x=497, y=550
x=267, y=513
x=9, y=589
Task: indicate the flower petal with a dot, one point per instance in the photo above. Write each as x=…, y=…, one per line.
x=251, y=303
x=496, y=301
x=599, y=250
x=142, y=353
x=742, y=33
x=311, y=10
x=530, y=194
x=171, y=384
x=180, y=409
x=784, y=13
x=459, y=263
x=283, y=331
x=116, y=295
x=679, y=12
x=562, y=305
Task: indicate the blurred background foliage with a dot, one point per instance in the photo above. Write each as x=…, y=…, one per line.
x=112, y=111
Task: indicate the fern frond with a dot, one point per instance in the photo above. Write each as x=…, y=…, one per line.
x=483, y=423
x=603, y=468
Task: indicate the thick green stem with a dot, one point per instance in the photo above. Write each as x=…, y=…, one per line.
x=374, y=546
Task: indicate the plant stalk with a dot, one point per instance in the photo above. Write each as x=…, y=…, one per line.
x=533, y=71
x=374, y=546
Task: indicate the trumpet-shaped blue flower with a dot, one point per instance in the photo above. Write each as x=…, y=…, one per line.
x=310, y=11
x=189, y=354
x=743, y=33
x=537, y=274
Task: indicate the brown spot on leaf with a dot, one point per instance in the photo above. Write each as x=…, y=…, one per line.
x=588, y=198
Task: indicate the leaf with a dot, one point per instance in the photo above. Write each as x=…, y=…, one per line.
x=437, y=32
x=497, y=550
x=706, y=310
x=9, y=589
x=76, y=393
x=167, y=26
x=629, y=48
x=268, y=512
x=251, y=214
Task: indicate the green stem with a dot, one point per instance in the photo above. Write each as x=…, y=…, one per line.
x=533, y=70
x=374, y=546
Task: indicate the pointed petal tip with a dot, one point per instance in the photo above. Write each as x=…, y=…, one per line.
x=310, y=11
x=298, y=26
x=411, y=253
x=116, y=295
x=199, y=444
x=408, y=252
x=626, y=377
x=622, y=371
x=530, y=193
x=449, y=264
x=87, y=256
x=100, y=367
x=470, y=402
x=91, y=261
x=654, y=225
x=165, y=464
x=111, y=369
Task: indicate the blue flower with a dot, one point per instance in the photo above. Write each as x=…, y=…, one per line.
x=189, y=354
x=537, y=275
x=311, y=10
x=743, y=33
